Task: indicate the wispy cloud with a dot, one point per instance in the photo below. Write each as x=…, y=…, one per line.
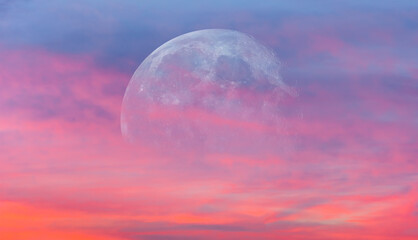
x=347, y=169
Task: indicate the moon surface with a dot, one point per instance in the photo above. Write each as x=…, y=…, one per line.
x=213, y=91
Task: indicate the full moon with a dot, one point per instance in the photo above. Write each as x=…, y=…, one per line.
x=212, y=91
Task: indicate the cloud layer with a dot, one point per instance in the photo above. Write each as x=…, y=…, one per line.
x=66, y=172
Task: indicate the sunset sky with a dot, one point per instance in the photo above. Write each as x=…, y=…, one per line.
x=347, y=169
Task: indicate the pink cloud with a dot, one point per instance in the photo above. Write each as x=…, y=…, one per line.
x=66, y=172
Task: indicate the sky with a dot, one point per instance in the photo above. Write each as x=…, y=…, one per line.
x=349, y=169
